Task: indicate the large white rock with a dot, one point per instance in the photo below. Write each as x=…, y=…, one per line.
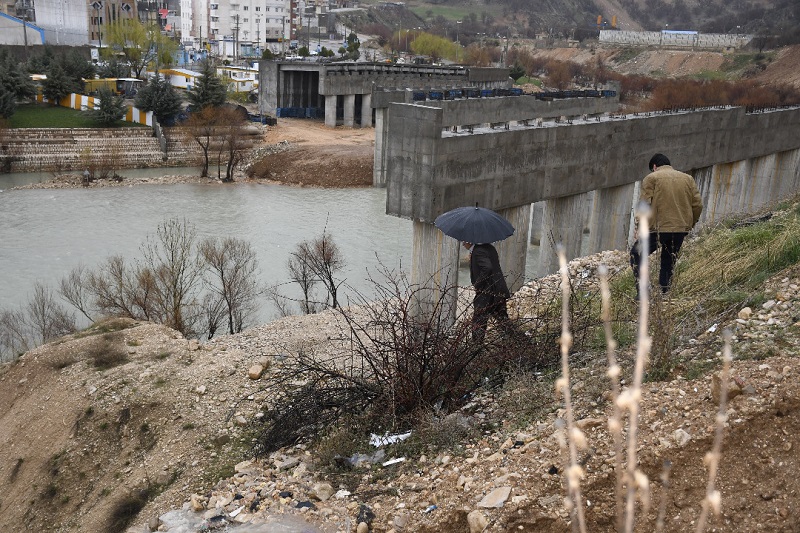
x=496, y=498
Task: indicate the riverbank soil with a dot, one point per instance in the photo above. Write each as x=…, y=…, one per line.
x=315, y=155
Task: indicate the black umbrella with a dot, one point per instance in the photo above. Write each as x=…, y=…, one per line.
x=474, y=224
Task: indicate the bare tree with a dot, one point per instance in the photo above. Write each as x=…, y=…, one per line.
x=324, y=259
x=46, y=319
x=232, y=140
x=232, y=267
x=213, y=310
x=218, y=130
x=162, y=286
x=119, y=291
x=171, y=268
x=74, y=289
x=200, y=129
x=301, y=273
x=13, y=337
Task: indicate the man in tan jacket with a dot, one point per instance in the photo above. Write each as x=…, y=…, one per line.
x=676, y=206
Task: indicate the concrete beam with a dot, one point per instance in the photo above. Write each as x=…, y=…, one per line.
x=507, y=168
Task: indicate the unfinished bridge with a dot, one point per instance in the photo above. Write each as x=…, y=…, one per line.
x=576, y=159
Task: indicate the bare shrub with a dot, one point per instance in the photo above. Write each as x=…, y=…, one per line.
x=14, y=339
x=322, y=258
x=74, y=289
x=46, y=318
x=300, y=272
x=281, y=302
x=231, y=268
x=395, y=366
x=107, y=351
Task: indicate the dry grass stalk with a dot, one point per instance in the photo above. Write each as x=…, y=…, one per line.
x=575, y=436
x=713, y=498
x=630, y=398
x=615, y=422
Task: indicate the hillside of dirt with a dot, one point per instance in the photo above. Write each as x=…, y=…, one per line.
x=779, y=67
x=129, y=424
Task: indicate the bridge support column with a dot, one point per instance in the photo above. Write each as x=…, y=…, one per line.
x=379, y=165
x=366, y=110
x=562, y=223
x=513, y=251
x=434, y=271
x=330, y=110
x=537, y=210
x=349, y=110
x=611, y=217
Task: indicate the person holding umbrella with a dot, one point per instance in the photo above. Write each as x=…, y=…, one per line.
x=477, y=227
x=491, y=290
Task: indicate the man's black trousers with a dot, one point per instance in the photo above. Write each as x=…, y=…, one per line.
x=670, y=245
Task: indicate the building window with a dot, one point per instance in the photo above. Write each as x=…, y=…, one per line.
x=214, y=7
x=245, y=7
x=258, y=8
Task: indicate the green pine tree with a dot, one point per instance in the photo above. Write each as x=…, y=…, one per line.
x=8, y=104
x=14, y=77
x=209, y=90
x=160, y=97
x=57, y=85
x=110, y=110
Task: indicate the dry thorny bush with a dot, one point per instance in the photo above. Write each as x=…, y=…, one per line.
x=394, y=365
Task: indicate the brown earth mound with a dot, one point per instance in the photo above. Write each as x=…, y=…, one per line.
x=316, y=155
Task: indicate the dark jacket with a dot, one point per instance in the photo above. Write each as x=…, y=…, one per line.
x=487, y=276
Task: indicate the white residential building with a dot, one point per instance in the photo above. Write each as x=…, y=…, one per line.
x=244, y=28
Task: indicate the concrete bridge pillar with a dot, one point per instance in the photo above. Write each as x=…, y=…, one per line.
x=562, y=223
x=366, y=110
x=349, y=110
x=330, y=110
x=434, y=272
x=537, y=210
x=513, y=251
x=610, y=218
x=381, y=132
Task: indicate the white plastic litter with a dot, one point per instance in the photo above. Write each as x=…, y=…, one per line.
x=378, y=441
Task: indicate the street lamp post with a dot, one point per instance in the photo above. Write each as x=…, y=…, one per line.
x=458, y=43
x=97, y=7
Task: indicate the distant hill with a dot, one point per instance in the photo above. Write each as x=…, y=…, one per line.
x=775, y=22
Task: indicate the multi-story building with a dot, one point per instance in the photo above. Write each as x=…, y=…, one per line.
x=244, y=28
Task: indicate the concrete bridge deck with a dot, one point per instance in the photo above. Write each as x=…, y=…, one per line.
x=741, y=160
